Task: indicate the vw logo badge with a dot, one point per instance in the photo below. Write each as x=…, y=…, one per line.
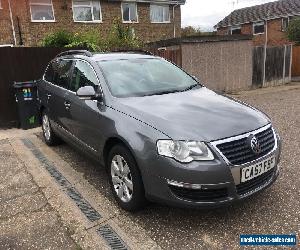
x=254, y=144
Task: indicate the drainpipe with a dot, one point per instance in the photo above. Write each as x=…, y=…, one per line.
x=12, y=23
x=265, y=53
x=20, y=32
x=174, y=25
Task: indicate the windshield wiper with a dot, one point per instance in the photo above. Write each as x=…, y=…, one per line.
x=166, y=92
x=190, y=87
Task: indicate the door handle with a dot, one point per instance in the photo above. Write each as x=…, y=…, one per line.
x=67, y=105
x=48, y=96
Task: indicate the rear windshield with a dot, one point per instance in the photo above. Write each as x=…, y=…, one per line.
x=142, y=77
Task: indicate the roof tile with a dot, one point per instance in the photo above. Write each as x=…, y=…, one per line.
x=281, y=8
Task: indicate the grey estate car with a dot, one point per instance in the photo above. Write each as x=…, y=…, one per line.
x=161, y=135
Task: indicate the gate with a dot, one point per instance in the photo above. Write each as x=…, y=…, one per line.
x=277, y=68
x=19, y=64
x=296, y=62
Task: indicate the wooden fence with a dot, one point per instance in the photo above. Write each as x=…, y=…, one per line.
x=277, y=66
x=296, y=62
x=172, y=55
x=26, y=64
x=19, y=64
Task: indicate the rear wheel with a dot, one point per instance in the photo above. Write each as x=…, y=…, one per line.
x=125, y=179
x=50, y=137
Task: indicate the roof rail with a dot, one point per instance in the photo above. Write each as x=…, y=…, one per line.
x=75, y=52
x=139, y=51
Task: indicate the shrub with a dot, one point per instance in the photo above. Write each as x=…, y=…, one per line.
x=89, y=40
x=119, y=37
x=59, y=38
x=294, y=30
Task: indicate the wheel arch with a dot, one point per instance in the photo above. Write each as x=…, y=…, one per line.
x=113, y=141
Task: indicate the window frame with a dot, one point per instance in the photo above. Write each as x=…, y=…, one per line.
x=238, y=27
x=161, y=5
x=41, y=4
x=258, y=24
x=136, y=12
x=91, y=6
x=284, y=29
x=47, y=68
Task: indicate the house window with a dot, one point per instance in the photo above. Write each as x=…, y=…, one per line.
x=259, y=28
x=284, y=24
x=129, y=12
x=87, y=11
x=235, y=30
x=159, y=13
x=41, y=11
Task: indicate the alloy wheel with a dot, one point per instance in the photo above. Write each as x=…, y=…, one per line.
x=46, y=127
x=121, y=178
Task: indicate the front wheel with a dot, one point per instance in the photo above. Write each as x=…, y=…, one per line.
x=125, y=179
x=50, y=137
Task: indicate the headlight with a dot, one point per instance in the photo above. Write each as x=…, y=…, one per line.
x=184, y=151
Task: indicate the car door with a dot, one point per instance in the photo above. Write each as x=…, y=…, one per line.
x=86, y=116
x=57, y=90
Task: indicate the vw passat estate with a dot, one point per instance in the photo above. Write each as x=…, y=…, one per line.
x=161, y=135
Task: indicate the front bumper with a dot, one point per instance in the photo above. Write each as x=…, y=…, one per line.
x=226, y=194
x=203, y=184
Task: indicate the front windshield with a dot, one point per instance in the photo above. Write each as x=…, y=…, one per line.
x=142, y=77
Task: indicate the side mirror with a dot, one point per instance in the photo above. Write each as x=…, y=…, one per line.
x=86, y=93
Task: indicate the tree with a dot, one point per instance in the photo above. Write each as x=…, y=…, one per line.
x=190, y=31
x=294, y=30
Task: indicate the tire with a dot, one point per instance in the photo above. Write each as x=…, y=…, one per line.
x=50, y=137
x=125, y=182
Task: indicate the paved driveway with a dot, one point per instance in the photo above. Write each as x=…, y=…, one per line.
x=273, y=211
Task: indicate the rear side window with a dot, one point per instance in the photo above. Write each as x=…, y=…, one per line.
x=83, y=75
x=63, y=73
x=62, y=70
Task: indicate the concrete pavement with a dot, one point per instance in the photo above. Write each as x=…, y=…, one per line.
x=27, y=220
x=39, y=213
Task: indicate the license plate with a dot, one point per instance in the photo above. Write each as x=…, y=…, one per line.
x=248, y=173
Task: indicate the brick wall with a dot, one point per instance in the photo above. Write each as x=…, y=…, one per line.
x=33, y=33
x=276, y=37
x=5, y=25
